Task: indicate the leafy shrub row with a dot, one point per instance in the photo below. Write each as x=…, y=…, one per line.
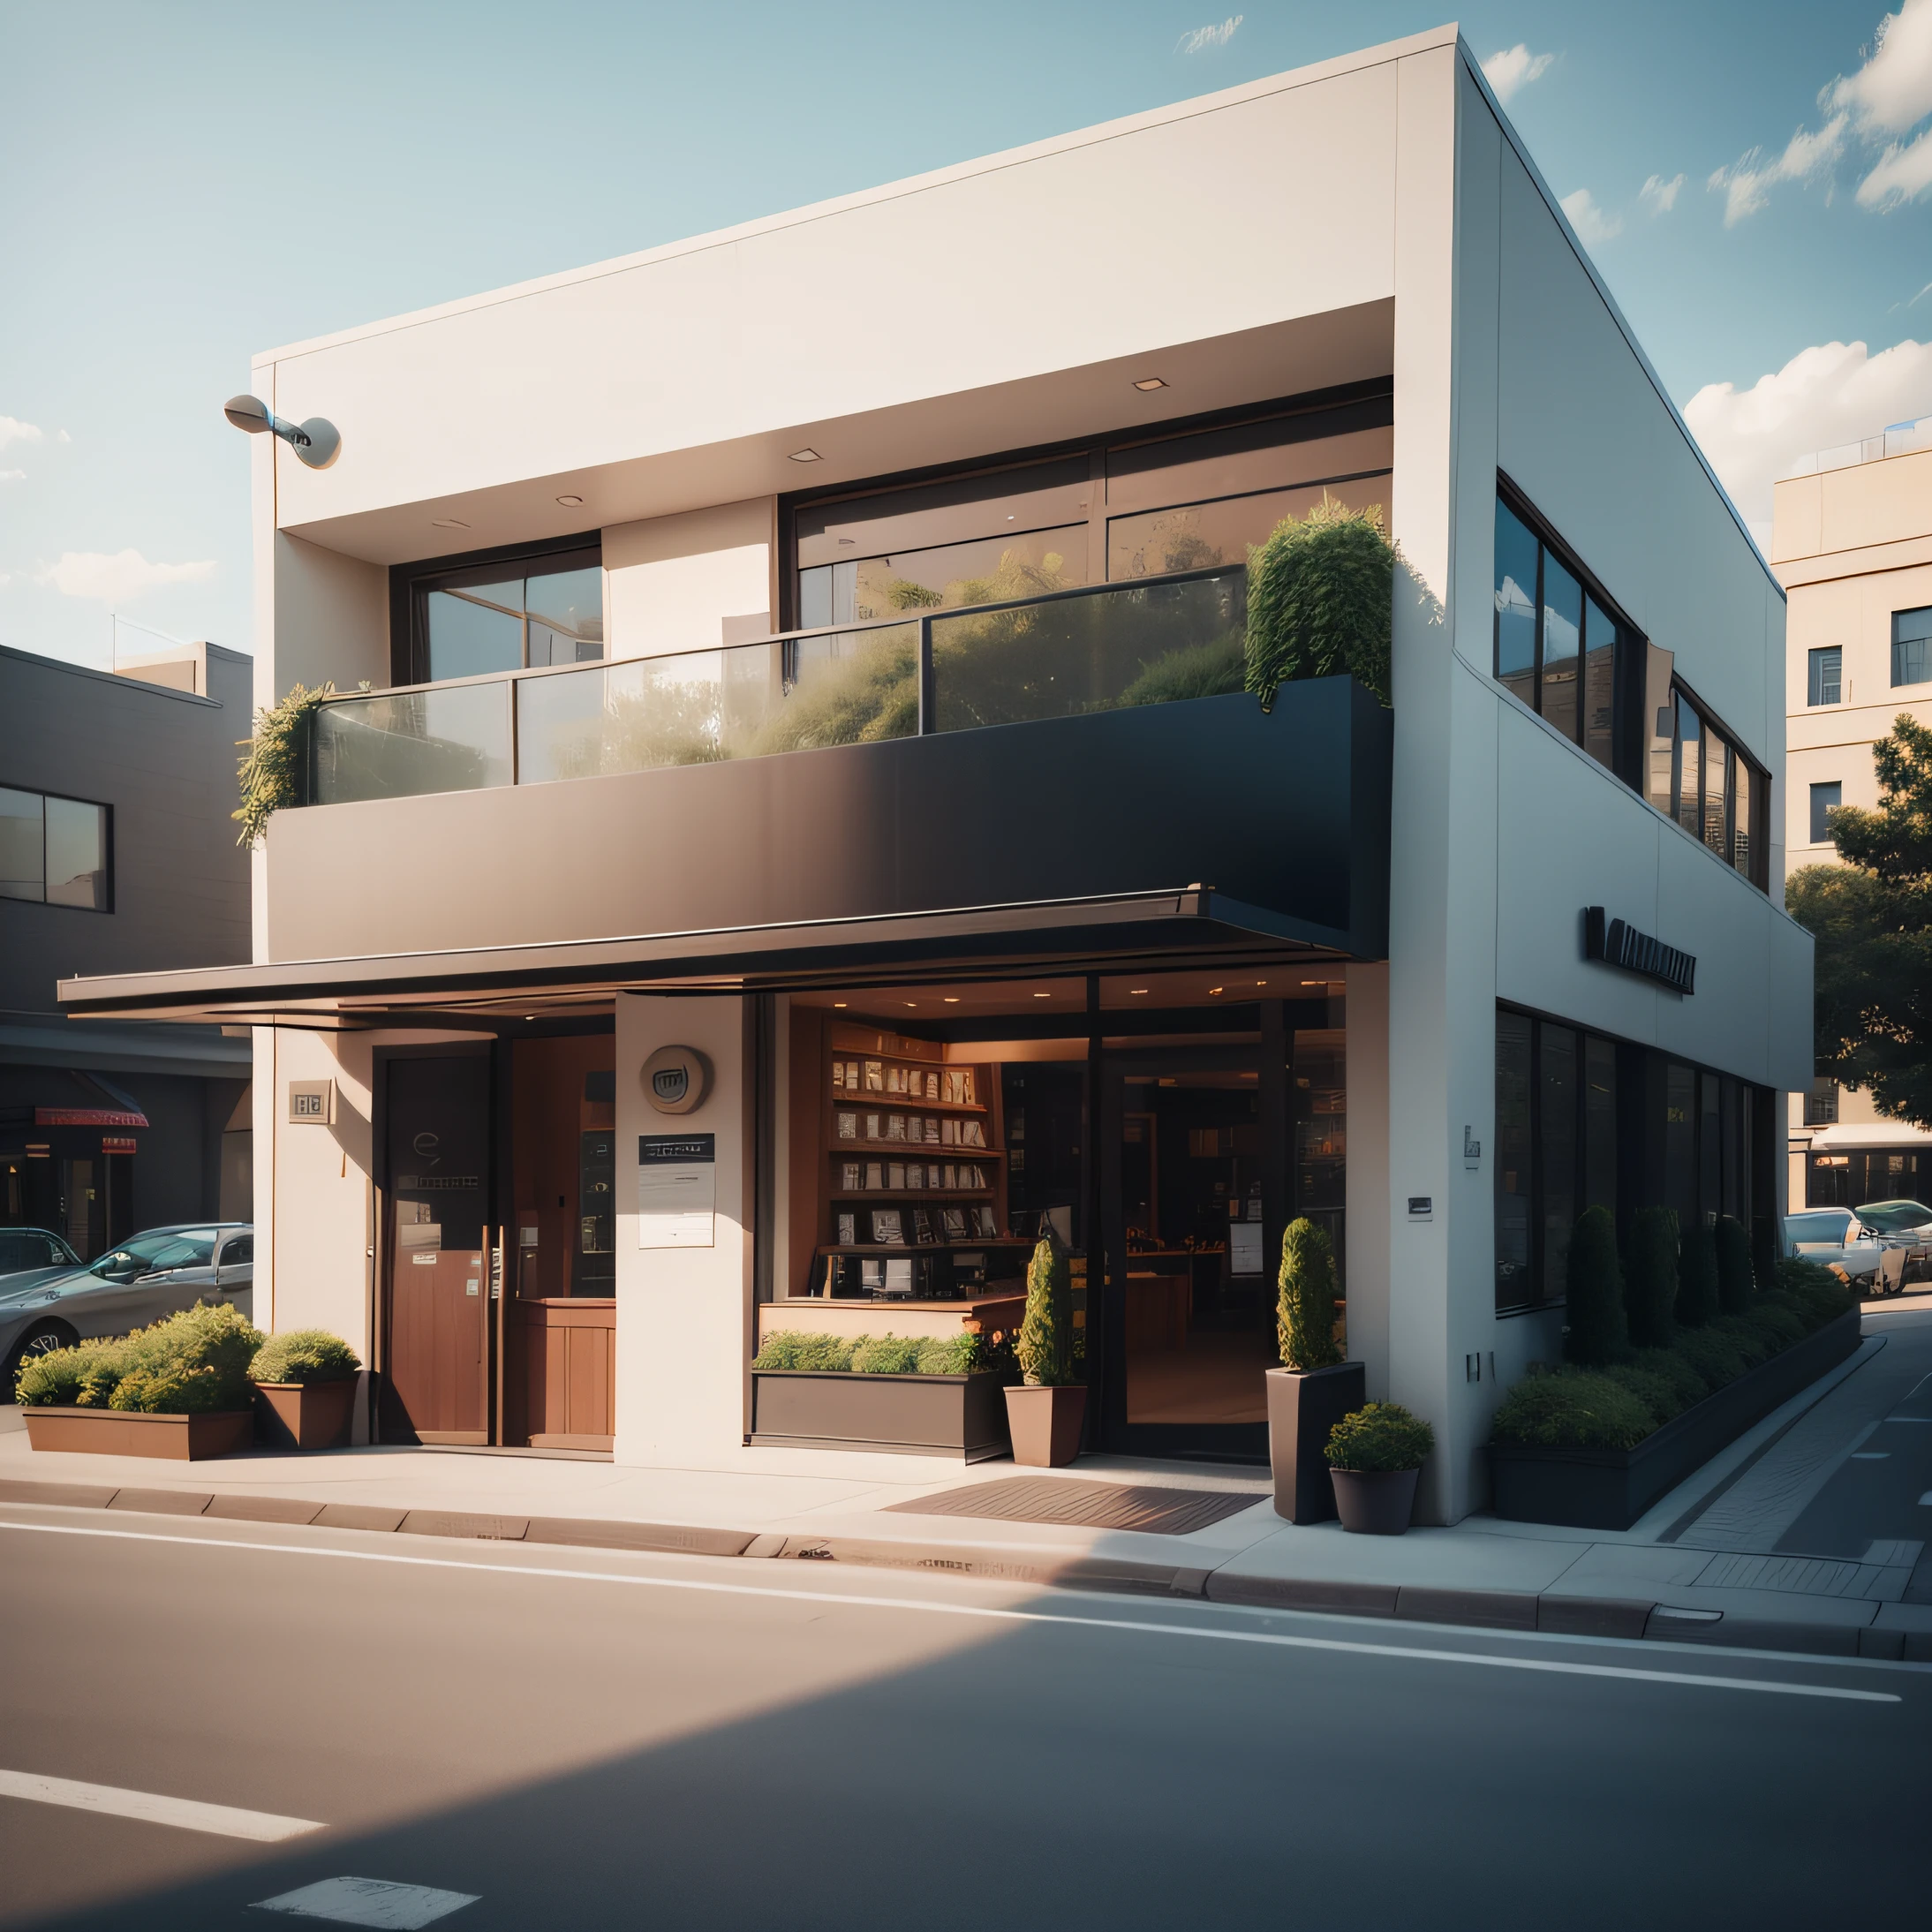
x=1614, y=1404
x=198, y=1362
x=869, y=1354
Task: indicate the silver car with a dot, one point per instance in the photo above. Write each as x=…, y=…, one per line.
x=157, y=1273
x=1834, y=1237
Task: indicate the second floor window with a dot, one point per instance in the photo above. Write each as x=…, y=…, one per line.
x=508, y=614
x=1701, y=778
x=1824, y=669
x=1912, y=647
x=1556, y=644
x=1825, y=799
x=55, y=851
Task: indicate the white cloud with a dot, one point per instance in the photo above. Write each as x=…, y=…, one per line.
x=11, y=476
x=1659, y=195
x=1903, y=174
x=1892, y=91
x=1203, y=37
x=114, y=579
x=1590, y=222
x=1748, y=181
x=1834, y=393
x=13, y=430
x=1512, y=69
x=64, y=437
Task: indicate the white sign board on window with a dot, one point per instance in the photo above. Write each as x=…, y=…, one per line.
x=678, y=1191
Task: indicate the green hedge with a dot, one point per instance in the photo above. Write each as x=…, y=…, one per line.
x=193, y=1363
x=869, y=1354
x=1378, y=1438
x=1572, y=1408
x=304, y=1355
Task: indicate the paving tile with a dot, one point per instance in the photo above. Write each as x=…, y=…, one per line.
x=451, y=1522
x=70, y=1495
x=264, y=1509
x=358, y=1516
x=162, y=1502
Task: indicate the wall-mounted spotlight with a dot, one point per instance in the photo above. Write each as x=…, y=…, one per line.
x=315, y=443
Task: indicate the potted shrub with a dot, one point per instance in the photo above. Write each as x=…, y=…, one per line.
x=1314, y=1388
x=1321, y=598
x=1046, y=1413
x=1374, y=1458
x=179, y=1389
x=305, y=1389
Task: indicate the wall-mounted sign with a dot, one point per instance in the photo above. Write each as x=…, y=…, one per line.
x=1422, y=1207
x=114, y=1144
x=1472, y=1148
x=312, y=1103
x=675, y=1079
x=1615, y=944
x=677, y=1189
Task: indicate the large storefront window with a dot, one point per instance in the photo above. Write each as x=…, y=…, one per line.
x=498, y=612
x=1184, y=500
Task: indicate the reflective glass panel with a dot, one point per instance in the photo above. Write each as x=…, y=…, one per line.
x=23, y=846
x=1825, y=672
x=566, y=616
x=1743, y=796
x=1690, y=779
x=1912, y=647
x=1599, y=1123
x=1108, y=649
x=1515, y=604
x=1556, y=1125
x=77, y=854
x=413, y=741
x=1709, y=1147
x=1513, y=1285
x=1562, y=646
x=1599, y=684
x=468, y=638
x=1680, y=1142
x=1196, y=536
x=989, y=571
x=1717, y=782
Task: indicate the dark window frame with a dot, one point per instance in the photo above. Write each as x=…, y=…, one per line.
x=1740, y=763
x=107, y=849
x=1627, y=736
x=1820, y=832
x=1897, y=642
x=1096, y=448
x=410, y=584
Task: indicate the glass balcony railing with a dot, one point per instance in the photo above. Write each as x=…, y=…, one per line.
x=1106, y=648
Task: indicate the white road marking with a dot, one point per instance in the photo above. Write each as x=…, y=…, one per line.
x=918, y=1606
x=156, y=1808
x=369, y=1901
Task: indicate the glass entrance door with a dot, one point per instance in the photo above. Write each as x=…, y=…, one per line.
x=1193, y=1193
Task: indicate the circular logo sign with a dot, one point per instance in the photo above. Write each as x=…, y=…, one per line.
x=675, y=1079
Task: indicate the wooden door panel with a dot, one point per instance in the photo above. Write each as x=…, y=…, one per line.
x=437, y=1337
x=571, y=1362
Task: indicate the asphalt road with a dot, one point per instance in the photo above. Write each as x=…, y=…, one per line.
x=590, y=1740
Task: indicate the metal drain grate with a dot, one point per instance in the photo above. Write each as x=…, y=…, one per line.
x=1091, y=1506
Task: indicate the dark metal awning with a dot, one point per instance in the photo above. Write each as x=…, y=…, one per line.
x=1119, y=934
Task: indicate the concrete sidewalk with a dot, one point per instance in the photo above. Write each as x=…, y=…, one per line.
x=1705, y=1564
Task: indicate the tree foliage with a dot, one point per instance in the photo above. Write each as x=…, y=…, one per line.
x=1872, y=919
x=273, y=770
x=1321, y=600
x=1596, y=1333
x=1046, y=1344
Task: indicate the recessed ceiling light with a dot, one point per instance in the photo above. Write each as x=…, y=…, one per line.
x=1150, y=382
x=1137, y=989
x=447, y=523
x=913, y=1003
x=1314, y=982
x=838, y=1002
x=806, y=456
x=1043, y=996
x=952, y=998
x=571, y=502
x=1212, y=990
x=1261, y=982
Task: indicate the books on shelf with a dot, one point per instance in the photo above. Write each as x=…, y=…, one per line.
x=848, y=1230
x=889, y=1230
x=847, y=1126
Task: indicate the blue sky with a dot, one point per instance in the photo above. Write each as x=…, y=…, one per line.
x=185, y=184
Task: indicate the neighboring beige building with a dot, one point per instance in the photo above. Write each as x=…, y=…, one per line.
x=1851, y=543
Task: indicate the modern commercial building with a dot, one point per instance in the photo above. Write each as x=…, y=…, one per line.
x=1851, y=543
x=117, y=854
x=807, y=832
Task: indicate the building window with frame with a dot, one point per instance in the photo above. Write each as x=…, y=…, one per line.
x=1702, y=779
x=1912, y=647
x=502, y=613
x=1821, y=1103
x=1823, y=675
x=56, y=851
x=1825, y=799
x=1557, y=648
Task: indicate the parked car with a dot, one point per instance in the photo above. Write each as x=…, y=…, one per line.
x=32, y=1250
x=157, y=1273
x=1901, y=1224
x=1834, y=1237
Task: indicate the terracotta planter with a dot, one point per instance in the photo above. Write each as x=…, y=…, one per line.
x=1375, y=1502
x=1046, y=1423
x=1303, y=1405
x=115, y=1432
x=304, y=1414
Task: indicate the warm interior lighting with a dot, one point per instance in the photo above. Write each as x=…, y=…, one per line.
x=806, y=456
x=913, y=1003
x=1043, y=996
x=952, y=998
x=571, y=502
x=1212, y=990
x=1150, y=382
x=838, y=1002
x=1314, y=982
x=1139, y=989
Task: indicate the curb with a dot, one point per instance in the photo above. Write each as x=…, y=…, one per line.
x=1626, y=1619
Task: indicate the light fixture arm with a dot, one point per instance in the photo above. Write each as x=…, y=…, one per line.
x=315, y=443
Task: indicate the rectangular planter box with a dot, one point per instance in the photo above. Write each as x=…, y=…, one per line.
x=114, y=1432
x=961, y=1415
x=313, y=1415
x=1608, y=1488
x=1303, y=1406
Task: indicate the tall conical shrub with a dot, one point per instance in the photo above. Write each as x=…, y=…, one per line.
x=1734, y=1283
x=1597, y=1332
x=1046, y=1344
x=1650, y=1278
x=1696, y=1276
x=1305, y=1313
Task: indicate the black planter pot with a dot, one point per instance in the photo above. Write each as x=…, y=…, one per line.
x=1303, y=1405
x=1608, y=1488
x=1375, y=1502
x=961, y=1415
